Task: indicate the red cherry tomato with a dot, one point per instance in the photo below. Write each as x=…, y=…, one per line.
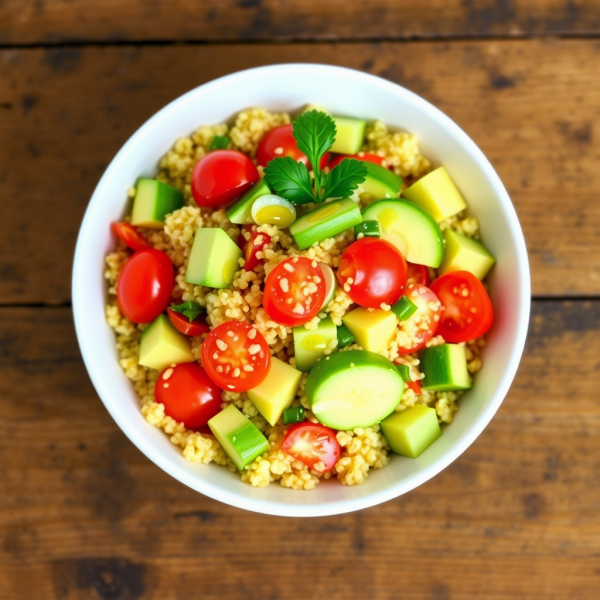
x=312, y=444
x=364, y=156
x=145, y=284
x=421, y=326
x=129, y=235
x=280, y=142
x=189, y=396
x=253, y=245
x=196, y=327
x=236, y=356
x=294, y=291
x=221, y=177
x=468, y=312
x=377, y=270
x=418, y=274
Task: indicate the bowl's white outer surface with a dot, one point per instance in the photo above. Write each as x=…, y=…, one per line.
x=343, y=92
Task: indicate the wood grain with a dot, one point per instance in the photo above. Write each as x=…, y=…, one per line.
x=532, y=106
x=83, y=514
x=60, y=21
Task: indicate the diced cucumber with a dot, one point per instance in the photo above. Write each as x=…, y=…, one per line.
x=294, y=414
x=213, y=259
x=379, y=183
x=153, y=201
x=404, y=309
x=162, y=345
x=404, y=372
x=344, y=336
x=437, y=194
x=350, y=135
x=310, y=345
x=410, y=229
x=353, y=389
x=373, y=329
x=240, y=212
x=368, y=229
x=325, y=221
x=465, y=254
x=411, y=431
x=239, y=437
x=331, y=283
x=445, y=368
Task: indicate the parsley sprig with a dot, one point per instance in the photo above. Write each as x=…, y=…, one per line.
x=314, y=132
x=190, y=309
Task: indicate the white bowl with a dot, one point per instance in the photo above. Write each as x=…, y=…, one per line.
x=343, y=92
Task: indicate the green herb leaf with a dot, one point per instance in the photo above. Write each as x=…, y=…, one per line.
x=219, y=142
x=314, y=132
x=189, y=309
x=289, y=179
x=345, y=178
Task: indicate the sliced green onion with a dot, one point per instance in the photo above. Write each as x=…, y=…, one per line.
x=294, y=414
x=219, y=142
x=404, y=308
x=273, y=210
x=344, y=336
x=367, y=228
x=404, y=372
x=189, y=309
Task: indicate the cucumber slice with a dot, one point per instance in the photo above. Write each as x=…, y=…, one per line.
x=350, y=135
x=310, y=344
x=153, y=201
x=411, y=431
x=324, y=222
x=445, y=368
x=331, y=284
x=353, y=389
x=410, y=229
x=379, y=183
x=240, y=212
x=465, y=254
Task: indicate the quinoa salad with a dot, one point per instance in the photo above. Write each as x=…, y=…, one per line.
x=278, y=308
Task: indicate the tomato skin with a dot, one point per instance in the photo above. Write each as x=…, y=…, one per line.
x=222, y=364
x=189, y=396
x=196, y=327
x=415, y=386
x=364, y=156
x=418, y=274
x=280, y=304
x=130, y=236
x=145, y=284
x=255, y=244
x=468, y=312
x=378, y=271
x=221, y=177
x=312, y=443
x=282, y=137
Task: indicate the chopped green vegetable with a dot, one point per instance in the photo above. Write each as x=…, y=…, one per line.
x=294, y=414
x=404, y=372
x=345, y=337
x=219, y=142
x=190, y=309
x=404, y=309
x=367, y=228
x=290, y=179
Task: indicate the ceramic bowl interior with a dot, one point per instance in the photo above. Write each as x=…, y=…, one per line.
x=343, y=92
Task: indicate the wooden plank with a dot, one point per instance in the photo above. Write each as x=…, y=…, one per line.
x=59, y=21
x=83, y=514
x=532, y=106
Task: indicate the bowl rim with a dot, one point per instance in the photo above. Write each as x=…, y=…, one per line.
x=341, y=506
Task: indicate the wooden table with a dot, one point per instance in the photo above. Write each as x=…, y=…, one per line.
x=83, y=514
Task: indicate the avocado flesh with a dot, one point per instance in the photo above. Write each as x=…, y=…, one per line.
x=350, y=135
x=465, y=254
x=445, y=368
x=411, y=431
x=310, y=345
x=162, y=345
x=153, y=201
x=240, y=212
x=372, y=329
x=214, y=259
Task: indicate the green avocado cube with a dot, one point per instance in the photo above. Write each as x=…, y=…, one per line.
x=465, y=254
x=162, y=345
x=350, y=135
x=445, y=368
x=153, y=201
x=239, y=437
x=310, y=345
x=240, y=212
x=411, y=431
x=214, y=259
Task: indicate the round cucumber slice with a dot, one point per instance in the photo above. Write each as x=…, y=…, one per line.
x=408, y=227
x=353, y=389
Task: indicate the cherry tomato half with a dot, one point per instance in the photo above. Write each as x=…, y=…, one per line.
x=421, y=326
x=280, y=142
x=189, y=396
x=236, y=356
x=196, y=327
x=254, y=244
x=375, y=270
x=468, y=312
x=145, y=284
x=312, y=444
x=364, y=156
x=128, y=234
x=418, y=274
x=294, y=291
x=221, y=177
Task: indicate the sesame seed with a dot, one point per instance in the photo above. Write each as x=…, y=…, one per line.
x=317, y=279
x=219, y=368
x=231, y=387
x=254, y=349
x=288, y=267
x=278, y=150
x=236, y=372
x=298, y=309
x=165, y=385
x=284, y=284
x=167, y=373
x=230, y=333
x=236, y=338
x=221, y=345
x=252, y=334
x=248, y=368
x=215, y=356
x=314, y=264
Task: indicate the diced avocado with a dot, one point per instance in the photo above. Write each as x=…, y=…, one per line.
x=445, y=368
x=162, y=345
x=240, y=211
x=276, y=391
x=350, y=135
x=239, y=437
x=465, y=254
x=379, y=183
x=373, y=329
x=331, y=284
x=213, y=259
x=310, y=345
x=344, y=336
x=410, y=229
x=325, y=221
x=437, y=194
x=153, y=201
x=411, y=431
x=353, y=389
